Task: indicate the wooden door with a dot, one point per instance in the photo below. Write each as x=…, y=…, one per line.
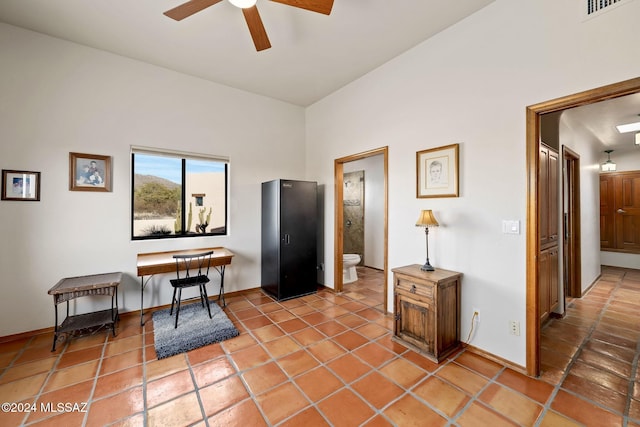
x=572, y=255
x=627, y=219
x=415, y=322
x=548, y=187
x=620, y=212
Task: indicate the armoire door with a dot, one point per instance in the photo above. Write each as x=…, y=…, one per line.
x=548, y=195
x=298, y=242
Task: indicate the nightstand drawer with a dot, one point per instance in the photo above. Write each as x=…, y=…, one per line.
x=416, y=288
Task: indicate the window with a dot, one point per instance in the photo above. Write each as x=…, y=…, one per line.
x=177, y=194
x=199, y=199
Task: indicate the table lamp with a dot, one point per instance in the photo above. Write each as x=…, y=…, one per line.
x=427, y=220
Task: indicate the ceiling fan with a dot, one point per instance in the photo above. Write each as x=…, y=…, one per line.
x=251, y=15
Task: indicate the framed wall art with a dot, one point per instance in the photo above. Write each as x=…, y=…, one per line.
x=89, y=172
x=437, y=172
x=20, y=185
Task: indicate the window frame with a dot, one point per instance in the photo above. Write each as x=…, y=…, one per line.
x=184, y=198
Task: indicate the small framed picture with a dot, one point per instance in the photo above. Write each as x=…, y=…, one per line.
x=89, y=172
x=20, y=185
x=437, y=172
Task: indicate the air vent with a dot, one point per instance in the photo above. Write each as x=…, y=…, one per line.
x=595, y=7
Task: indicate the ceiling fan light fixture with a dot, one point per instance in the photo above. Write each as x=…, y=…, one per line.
x=638, y=138
x=243, y=4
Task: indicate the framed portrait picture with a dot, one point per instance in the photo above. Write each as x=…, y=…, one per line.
x=20, y=185
x=89, y=172
x=437, y=172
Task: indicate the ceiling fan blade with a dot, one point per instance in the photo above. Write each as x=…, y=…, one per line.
x=256, y=28
x=189, y=8
x=320, y=6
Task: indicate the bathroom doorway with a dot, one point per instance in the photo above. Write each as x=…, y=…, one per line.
x=358, y=230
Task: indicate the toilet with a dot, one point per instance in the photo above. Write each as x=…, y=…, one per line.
x=349, y=262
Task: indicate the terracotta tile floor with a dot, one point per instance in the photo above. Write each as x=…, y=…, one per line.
x=328, y=359
x=368, y=289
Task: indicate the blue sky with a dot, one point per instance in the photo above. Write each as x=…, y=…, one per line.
x=169, y=168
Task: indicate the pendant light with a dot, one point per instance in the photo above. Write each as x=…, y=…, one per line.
x=609, y=165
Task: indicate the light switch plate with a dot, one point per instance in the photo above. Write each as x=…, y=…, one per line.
x=510, y=226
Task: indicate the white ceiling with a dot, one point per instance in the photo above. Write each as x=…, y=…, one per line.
x=312, y=54
x=601, y=118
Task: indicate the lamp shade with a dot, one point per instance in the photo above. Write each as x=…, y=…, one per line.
x=427, y=219
x=637, y=138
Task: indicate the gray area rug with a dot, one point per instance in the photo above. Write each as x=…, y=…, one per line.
x=195, y=329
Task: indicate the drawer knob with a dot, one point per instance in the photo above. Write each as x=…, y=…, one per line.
x=413, y=289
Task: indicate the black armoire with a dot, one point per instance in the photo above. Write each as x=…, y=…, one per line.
x=289, y=236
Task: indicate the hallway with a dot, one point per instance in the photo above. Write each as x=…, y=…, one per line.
x=593, y=351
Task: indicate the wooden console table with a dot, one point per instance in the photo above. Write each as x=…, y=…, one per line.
x=163, y=262
x=75, y=287
x=427, y=310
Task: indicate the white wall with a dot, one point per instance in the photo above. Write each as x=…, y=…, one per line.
x=373, y=207
x=57, y=97
x=470, y=85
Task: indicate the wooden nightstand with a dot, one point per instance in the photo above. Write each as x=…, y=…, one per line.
x=427, y=310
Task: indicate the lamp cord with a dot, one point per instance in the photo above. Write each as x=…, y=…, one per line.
x=473, y=318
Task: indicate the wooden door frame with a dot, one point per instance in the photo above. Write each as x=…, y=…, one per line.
x=571, y=161
x=339, y=214
x=533, y=114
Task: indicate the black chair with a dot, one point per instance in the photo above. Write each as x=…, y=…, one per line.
x=195, y=272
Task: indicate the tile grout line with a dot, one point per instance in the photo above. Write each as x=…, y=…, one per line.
x=239, y=372
x=303, y=348
x=95, y=380
x=632, y=376
x=145, y=407
x=272, y=359
x=613, y=297
x=196, y=388
x=321, y=363
x=11, y=364
x=406, y=391
x=46, y=380
x=575, y=356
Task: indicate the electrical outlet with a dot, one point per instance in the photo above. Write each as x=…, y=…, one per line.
x=476, y=314
x=514, y=327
